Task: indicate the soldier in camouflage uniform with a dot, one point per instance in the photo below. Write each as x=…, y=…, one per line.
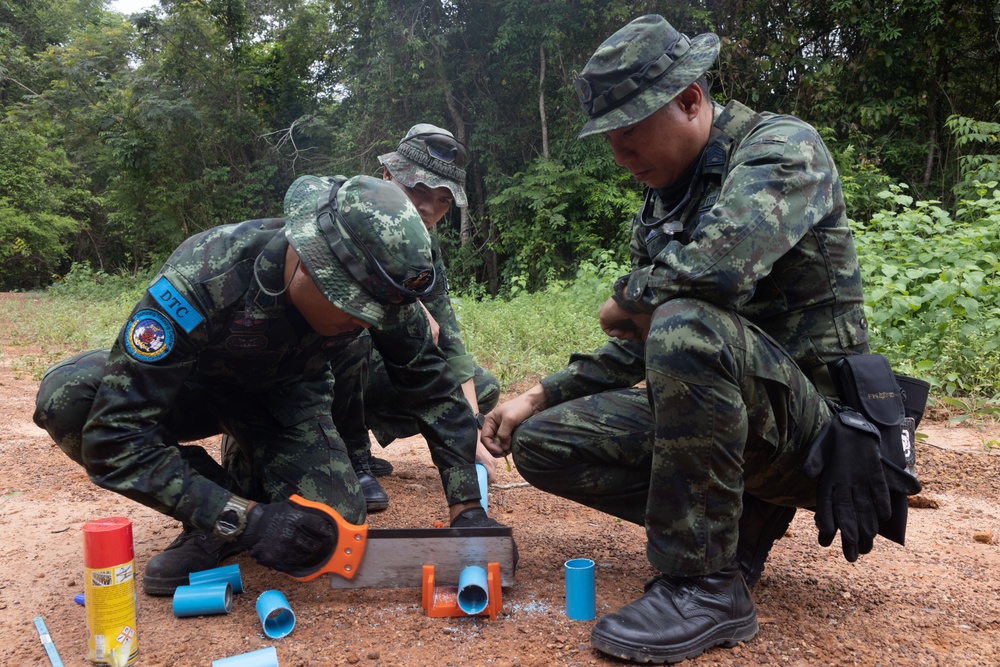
x=744, y=285
x=236, y=335
x=429, y=166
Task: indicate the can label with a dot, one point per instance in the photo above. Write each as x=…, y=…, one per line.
x=109, y=595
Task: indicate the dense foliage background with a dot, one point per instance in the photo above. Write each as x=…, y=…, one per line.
x=121, y=135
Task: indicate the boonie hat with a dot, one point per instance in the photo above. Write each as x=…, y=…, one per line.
x=430, y=155
x=638, y=70
x=362, y=242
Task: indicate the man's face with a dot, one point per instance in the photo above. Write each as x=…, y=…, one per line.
x=324, y=317
x=658, y=150
x=431, y=203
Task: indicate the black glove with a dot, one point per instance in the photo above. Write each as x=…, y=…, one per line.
x=852, y=495
x=288, y=537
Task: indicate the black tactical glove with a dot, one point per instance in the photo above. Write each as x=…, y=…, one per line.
x=288, y=537
x=852, y=495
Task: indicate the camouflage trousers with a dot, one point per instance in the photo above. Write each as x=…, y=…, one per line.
x=725, y=411
x=277, y=459
x=373, y=397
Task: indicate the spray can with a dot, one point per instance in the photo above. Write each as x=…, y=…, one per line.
x=109, y=592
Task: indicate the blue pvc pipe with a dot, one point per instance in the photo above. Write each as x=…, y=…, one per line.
x=580, y=600
x=217, y=575
x=275, y=614
x=473, y=593
x=203, y=599
x=265, y=657
x=483, y=486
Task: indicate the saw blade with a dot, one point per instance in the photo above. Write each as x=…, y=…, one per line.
x=394, y=557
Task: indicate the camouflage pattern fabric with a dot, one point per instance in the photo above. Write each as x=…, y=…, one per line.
x=638, y=70
x=249, y=366
x=378, y=214
x=414, y=162
x=384, y=411
x=752, y=287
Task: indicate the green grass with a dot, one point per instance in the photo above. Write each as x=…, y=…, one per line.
x=84, y=311
x=532, y=335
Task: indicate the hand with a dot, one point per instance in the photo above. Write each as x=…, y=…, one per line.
x=500, y=423
x=852, y=495
x=435, y=327
x=617, y=323
x=288, y=537
x=486, y=459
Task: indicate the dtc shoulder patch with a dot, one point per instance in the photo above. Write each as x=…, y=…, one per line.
x=170, y=298
x=149, y=336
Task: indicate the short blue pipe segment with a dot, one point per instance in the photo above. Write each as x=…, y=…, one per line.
x=473, y=595
x=580, y=601
x=218, y=575
x=275, y=614
x=483, y=486
x=203, y=599
x=265, y=657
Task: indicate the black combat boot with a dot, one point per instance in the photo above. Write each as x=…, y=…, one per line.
x=761, y=524
x=376, y=499
x=679, y=618
x=379, y=467
x=193, y=550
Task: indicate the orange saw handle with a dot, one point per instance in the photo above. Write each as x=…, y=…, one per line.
x=350, y=547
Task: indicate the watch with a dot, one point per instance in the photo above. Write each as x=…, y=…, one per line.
x=618, y=294
x=480, y=420
x=233, y=518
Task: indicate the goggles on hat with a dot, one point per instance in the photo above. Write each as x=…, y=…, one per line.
x=441, y=153
x=377, y=281
x=614, y=97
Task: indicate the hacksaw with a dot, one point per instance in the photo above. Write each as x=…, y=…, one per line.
x=394, y=557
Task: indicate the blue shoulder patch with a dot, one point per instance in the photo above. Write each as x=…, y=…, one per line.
x=149, y=336
x=176, y=305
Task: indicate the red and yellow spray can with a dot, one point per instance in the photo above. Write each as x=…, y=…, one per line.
x=109, y=592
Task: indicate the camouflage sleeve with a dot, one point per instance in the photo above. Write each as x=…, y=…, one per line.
x=125, y=446
x=617, y=365
x=439, y=306
x=780, y=184
x=430, y=393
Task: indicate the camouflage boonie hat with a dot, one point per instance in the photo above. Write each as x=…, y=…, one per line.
x=638, y=70
x=362, y=242
x=432, y=156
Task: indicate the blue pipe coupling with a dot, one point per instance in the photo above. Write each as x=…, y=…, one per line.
x=275, y=614
x=473, y=590
x=265, y=657
x=217, y=575
x=203, y=599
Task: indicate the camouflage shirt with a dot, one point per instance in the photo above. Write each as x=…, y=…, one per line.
x=764, y=234
x=438, y=304
x=207, y=319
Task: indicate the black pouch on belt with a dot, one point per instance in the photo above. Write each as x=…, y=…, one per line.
x=895, y=405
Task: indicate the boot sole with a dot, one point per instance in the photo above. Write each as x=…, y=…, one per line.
x=725, y=635
x=377, y=505
x=162, y=586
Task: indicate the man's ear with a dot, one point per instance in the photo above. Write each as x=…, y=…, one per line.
x=690, y=100
x=386, y=176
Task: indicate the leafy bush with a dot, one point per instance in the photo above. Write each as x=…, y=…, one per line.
x=932, y=291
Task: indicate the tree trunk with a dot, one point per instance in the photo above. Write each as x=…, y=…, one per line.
x=541, y=101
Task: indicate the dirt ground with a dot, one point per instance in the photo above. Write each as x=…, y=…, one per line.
x=934, y=602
